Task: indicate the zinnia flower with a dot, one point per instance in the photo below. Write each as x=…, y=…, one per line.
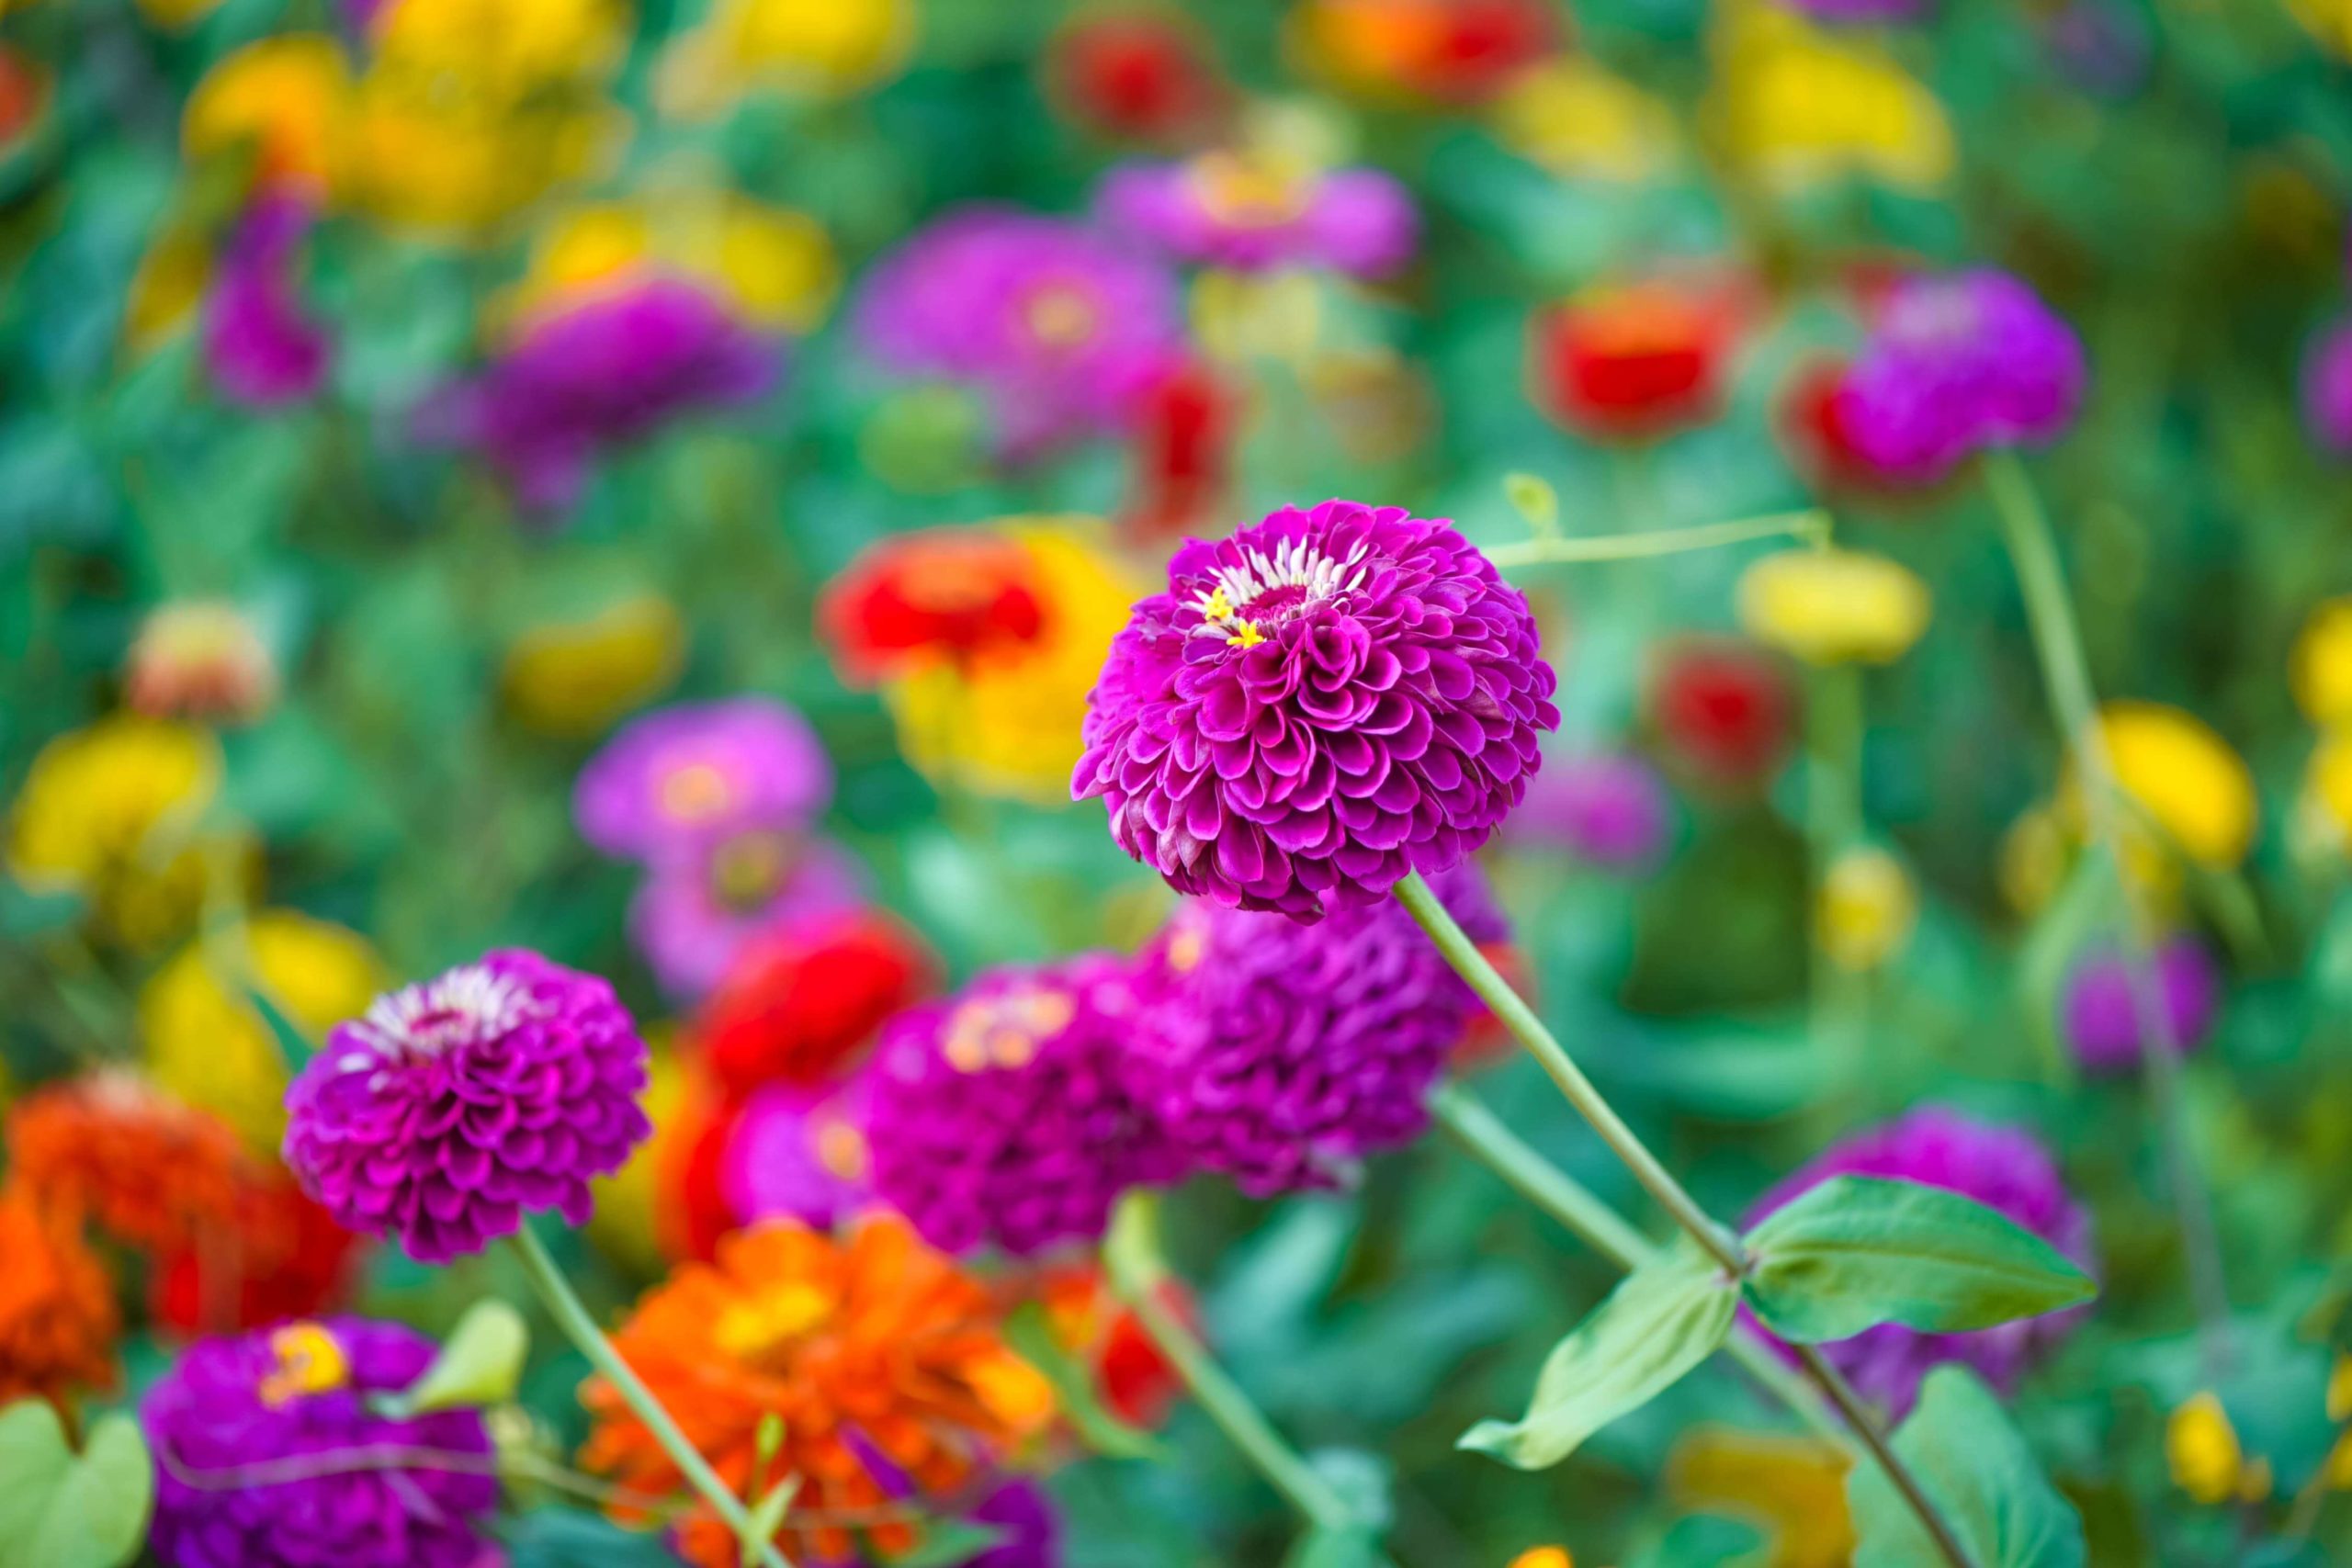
x=262, y=347
x=694, y=774
x=1610, y=810
x=1317, y=706
x=1833, y=607
x=282, y=100
x=455, y=1105
x=1800, y=108
x=199, y=658
x=255, y=1439
x=137, y=1164
x=1132, y=1377
x=742, y=45
x=279, y=1256
x=57, y=1314
x=2102, y=1020
x=2327, y=390
x=1281, y=1054
x=955, y=595
x=2320, y=666
x=1722, y=707
x=1580, y=122
x=873, y=1351
x=2182, y=777
x=797, y=1152
x=696, y=911
x=1454, y=54
x=1003, y=1114
x=773, y=267
x=1634, y=363
x=2003, y=1168
x=803, y=998
x=1137, y=74
x=1256, y=209
x=1058, y=327
x=1817, y=425
x=1866, y=909
x=575, y=677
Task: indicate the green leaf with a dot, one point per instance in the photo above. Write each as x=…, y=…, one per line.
x=1032, y=1338
x=478, y=1365
x=765, y=1516
x=59, y=1509
x=1858, y=1251
x=1981, y=1478
x=1661, y=1320
x=1347, y=1546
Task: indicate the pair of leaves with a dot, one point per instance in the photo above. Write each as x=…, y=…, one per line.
x=61, y=1509
x=1981, y=1477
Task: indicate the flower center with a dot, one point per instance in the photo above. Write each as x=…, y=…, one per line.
x=1005, y=1031
x=468, y=1003
x=841, y=1148
x=1250, y=190
x=747, y=870
x=1239, y=602
x=694, y=792
x=750, y=1330
x=1060, y=315
x=309, y=1361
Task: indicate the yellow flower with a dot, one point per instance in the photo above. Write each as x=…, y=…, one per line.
x=1580, y=122
x=206, y=1042
x=1543, y=1557
x=2201, y=1450
x=1007, y=723
x=2183, y=776
x=2320, y=668
x=2327, y=791
x=624, y=1224
x=1833, y=607
x=575, y=677
x=774, y=265
x=1866, y=909
x=827, y=51
x=514, y=45
x=1797, y=106
x=1792, y=1488
x=172, y=277
x=285, y=97
x=2330, y=21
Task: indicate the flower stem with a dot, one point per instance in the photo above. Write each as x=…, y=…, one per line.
x=1132, y=1257
x=1520, y=1018
x=1811, y=525
x=2066, y=674
x=578, y=1326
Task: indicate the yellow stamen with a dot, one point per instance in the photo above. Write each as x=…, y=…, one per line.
x=1245, y=635
x=1218, y=608
x=310, y=1360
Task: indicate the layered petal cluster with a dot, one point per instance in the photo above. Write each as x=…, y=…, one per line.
x=803, y=1000
x=1249, y=211
x=695, y=773
x=1317, y=706
x=456, y=1105
x=58, y=1320
x=137, y=1164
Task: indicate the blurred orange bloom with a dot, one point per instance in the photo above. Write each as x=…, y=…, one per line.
x=876, y=1345
x=57, y=1314
x=139, y=1165
x=1134, y=1380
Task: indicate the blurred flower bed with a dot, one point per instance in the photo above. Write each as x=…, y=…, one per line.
x=678, y=668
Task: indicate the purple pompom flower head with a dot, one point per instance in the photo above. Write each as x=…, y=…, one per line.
x=1612, y=811
x=2327, y=390
x=457, y=1104
x=2103, y=1025
x=2003, y=1168
x=1957, y=364
x=800, y=1152
x=298, y=1391
x=1253, y=212
x=693, y=775
x=260, y=344
x=1317, y=706
x=1060, y=328
x=1281, y=1054
x=1003, y=1115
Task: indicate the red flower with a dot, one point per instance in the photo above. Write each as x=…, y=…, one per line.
x=284, y=1258
x=1133, y=1379
x=692, y=1212
x=1813, y=430
x=1477, y=46
x=1724, y=708
x=1455, y=53
x=800, y=1000
x=1138, y=76
x=1184, y=452
x=946, y=593
x=1635, y=363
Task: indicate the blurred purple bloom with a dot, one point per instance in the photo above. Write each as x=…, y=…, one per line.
x=2101, y=1024
x=457, y=1104
x=2327, y=390
x=609, y=369
x=1317, y=706
x=685, y=777
x=1032, y=1534
x=260, y=346
x=2003, y=1168
x=1058, y=327
x=1612, y=810
x=1281, y=1054
x=695, y=910
x=1955, y=365
x=1227, y=210
x=1003, y=1114
x=799, y=1153
x=302, y=1390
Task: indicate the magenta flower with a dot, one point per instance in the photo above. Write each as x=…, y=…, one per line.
x=1003, y=1115
x=1281, y=1054
x=274, y=1398
x=456, y=1105
x=606, y=371
x=1316, y=706
x=2003, y=1168
x=692, y=775
x=260, y=344
x=1612, y=811
x=1060, y=329
x=1250, y=214
x=2327, y=390
x=2102, y=1024
x=1956, y=365
x=696, y=909
x=801, y=1153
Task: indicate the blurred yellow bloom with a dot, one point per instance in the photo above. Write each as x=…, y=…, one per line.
x=1866, y=909
x=1543, y=1557
x=622, y=1224
x=1006, y=723
x=1833, y=607
x=284, y=97
x=2327, y=791
x=774, y=265
x=1792, y=1488
x=2183, y=776
x=2033, y=860
x=1797, y=104
x=514, y=45
x=1580, y=122
x=2201, y=1450
x=172, y=277
x=575, y=677
x=2320, y=668
x=2330, y=21
x=206, y=1042
x=827, y=51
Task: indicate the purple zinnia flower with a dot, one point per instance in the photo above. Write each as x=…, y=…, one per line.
x=695, y=910
x=1003, y=1114
x=801, y=1153
x=1610, y=810
x=2103, y=1026
x=1955, y=365
x=2327, y=390
x=1058, y=327
x=609, y=369
x=1252, y=213
x=454, y=1105
x=1281, y=1054
x=260, y=344
x=1317, y=706
x=692, y=775
x=2003, y=1168
x=231, y=1411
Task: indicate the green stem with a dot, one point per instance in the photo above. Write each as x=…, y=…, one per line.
x=577, y=1325
x=1131, y=1255
x=1811, y=525
x=2065, y=673
x=1725, y=1247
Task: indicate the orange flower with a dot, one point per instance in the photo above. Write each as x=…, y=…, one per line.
x=140, y=1166
x=875, y=1343
x=1134, y=1380
x=57, y=1316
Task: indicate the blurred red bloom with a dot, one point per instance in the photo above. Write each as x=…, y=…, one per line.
x=1133, y=1379
x=139, y=1165
x=1634, y=363
x=691, y=1212
x=1724, y=708
x=57, y=1314
x=1814, y=432
x=284, y=1258
x=1184, y=452
x=1141, y=75
x=1458, y=53
x=1486, y=1040
x=800, y=1000
x=23, y=95
x=946, y=593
